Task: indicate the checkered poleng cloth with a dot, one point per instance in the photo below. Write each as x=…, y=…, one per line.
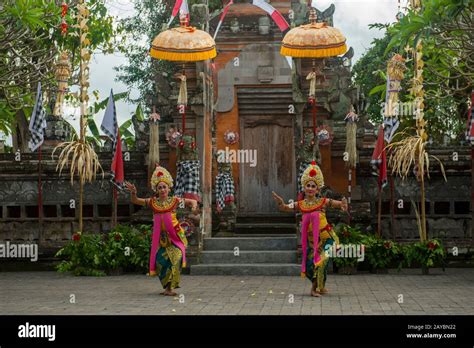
x=470, y=123
x=303, y=166
x=188, y=180
x=224, y=188
x=37, y=122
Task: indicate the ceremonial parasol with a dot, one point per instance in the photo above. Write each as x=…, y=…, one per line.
x=185, y=44
x=313, y=40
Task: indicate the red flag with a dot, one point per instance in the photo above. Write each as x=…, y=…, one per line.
x=226, y=8
x=181, y=7
x=117, y=162
x=276, y=15
x=176, y=7
x=224, y=12
x=379, y=159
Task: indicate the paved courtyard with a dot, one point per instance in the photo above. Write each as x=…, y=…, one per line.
x=408, y=292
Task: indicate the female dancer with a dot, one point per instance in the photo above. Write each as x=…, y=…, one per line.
x=167, y=260
x=313, y=207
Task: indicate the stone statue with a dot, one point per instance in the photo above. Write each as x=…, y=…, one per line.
x=186, y=149
x=308, y=150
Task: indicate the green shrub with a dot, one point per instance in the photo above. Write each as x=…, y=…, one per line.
x=428, y=254
x=347, y=235
x=83, y=255
x=125, y=248
x=381, y=253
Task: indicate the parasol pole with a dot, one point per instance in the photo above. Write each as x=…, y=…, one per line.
x=349, y=200
x=313, y=99
x=114, y=212
x=183, y=117
x=379, y=211
x=392, y=206
x=312, y=19
x=40, y=194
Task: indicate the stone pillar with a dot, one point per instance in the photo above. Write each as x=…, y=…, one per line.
x=201, y=11
x=207, y=153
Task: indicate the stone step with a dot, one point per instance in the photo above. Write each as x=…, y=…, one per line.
x=251, y=243
x=267, y=269
x=266, y=218
x=252, y=228
x=248, y=257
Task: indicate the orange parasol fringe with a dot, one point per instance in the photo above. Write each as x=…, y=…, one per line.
x=183, y=56
x=313, y=52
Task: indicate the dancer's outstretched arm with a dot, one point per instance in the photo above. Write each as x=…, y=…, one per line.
x=133, y=195
x=281, y=204
x=193, y=204
x=342, y=204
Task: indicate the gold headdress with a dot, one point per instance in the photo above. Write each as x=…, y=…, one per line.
x=161, y=175
x=313, y=173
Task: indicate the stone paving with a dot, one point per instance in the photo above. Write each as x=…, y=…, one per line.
x=450, y=292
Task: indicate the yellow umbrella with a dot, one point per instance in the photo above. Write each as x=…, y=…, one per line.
x=183, y=43
x=313, y=40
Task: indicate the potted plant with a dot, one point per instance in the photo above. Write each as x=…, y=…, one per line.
x=380, y=253
x=82, y=256
x=347, y=236
x=127, y=249
x=426, y=254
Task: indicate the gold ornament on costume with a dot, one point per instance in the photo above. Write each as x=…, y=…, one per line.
x=313, y=173
x=161, y=175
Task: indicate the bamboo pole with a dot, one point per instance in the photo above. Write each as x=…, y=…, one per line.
x=114, y=206
x=379, y=210
x=82, y=123
x=81, y=190
x=472, y=186
x=423, y=209
x=40, y=195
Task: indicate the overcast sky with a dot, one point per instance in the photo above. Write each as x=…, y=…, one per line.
x=352, y=17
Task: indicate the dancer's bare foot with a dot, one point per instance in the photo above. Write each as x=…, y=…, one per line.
x=324, y=291
x=314, y=289
x=168, y=292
